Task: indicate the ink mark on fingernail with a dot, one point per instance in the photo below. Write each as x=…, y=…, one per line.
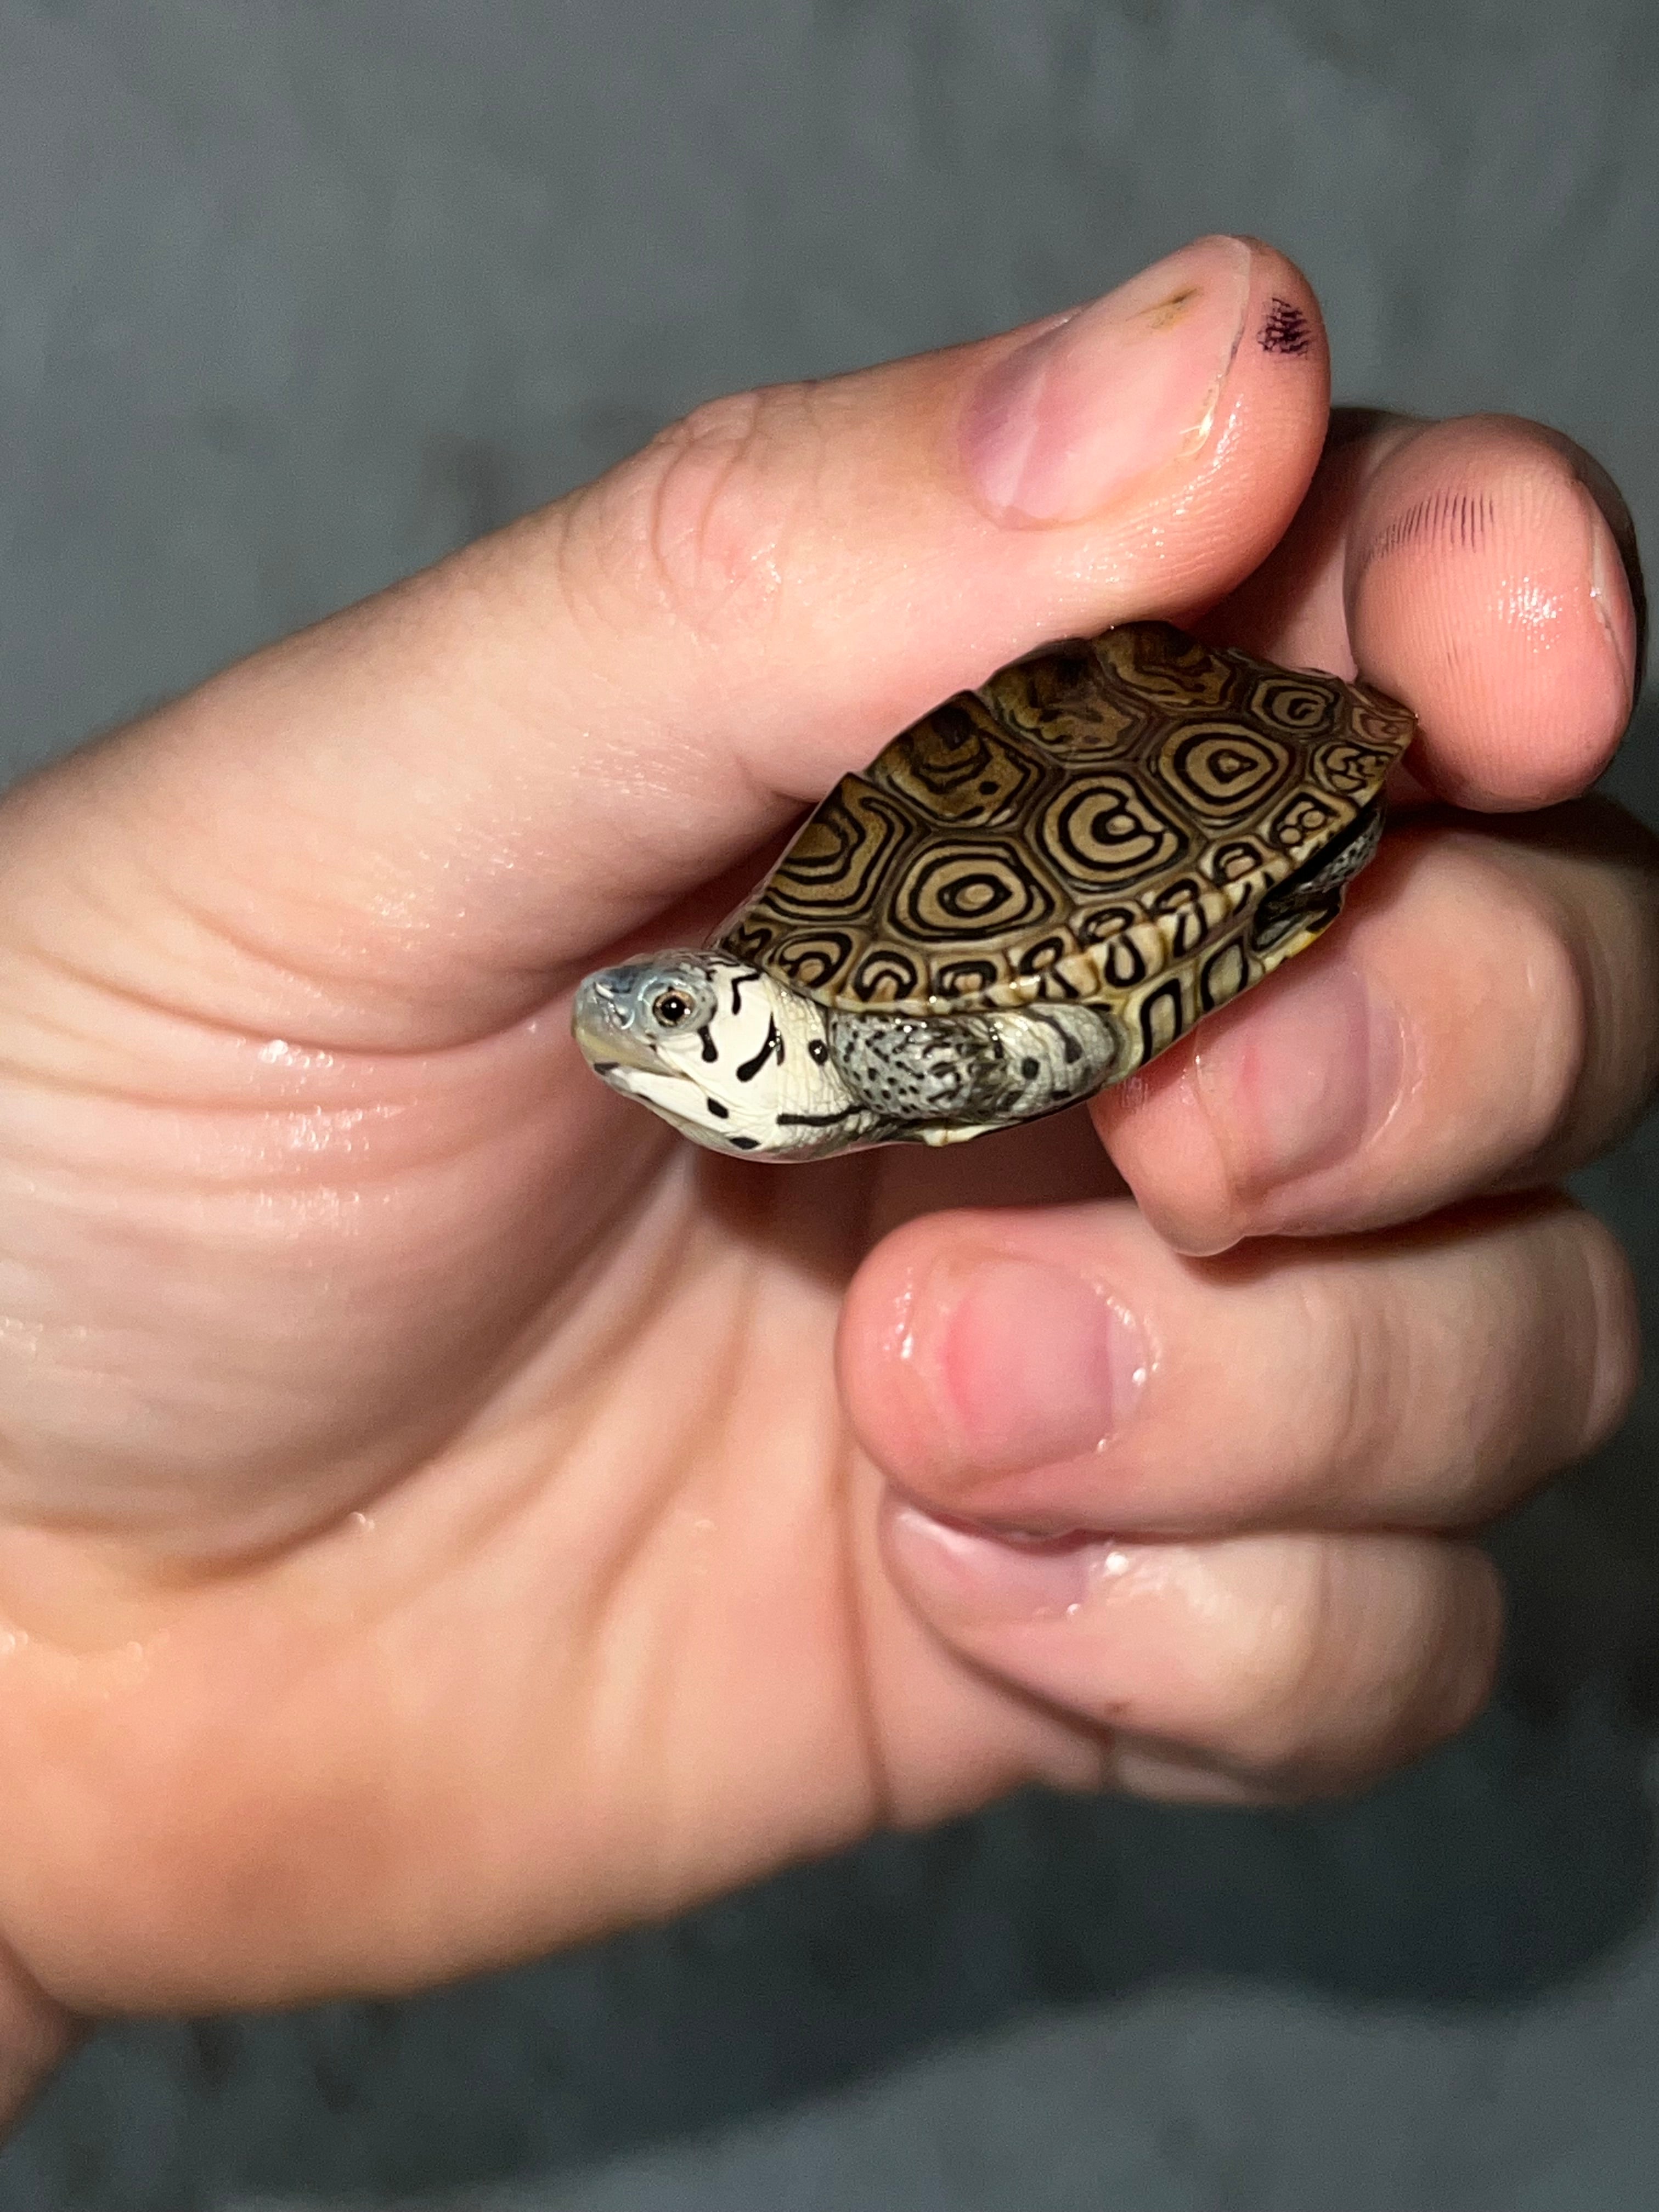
x=1286, y=329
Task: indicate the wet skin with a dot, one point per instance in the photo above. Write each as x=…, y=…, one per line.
x=443, y=1514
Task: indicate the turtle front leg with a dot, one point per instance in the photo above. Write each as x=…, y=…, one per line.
x=945, y=1079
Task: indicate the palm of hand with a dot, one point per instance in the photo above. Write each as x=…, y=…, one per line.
x=528, y=1458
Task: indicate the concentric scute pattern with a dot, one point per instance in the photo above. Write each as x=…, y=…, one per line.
x=1098, y=822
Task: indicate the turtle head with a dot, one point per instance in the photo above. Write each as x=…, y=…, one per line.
x=730, y=1056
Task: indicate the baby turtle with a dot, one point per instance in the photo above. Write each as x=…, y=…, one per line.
x=1031, y=891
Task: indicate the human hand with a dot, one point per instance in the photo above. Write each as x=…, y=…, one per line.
x=432, y=1527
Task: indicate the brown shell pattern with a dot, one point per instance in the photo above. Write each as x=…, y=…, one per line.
x=1084, y=820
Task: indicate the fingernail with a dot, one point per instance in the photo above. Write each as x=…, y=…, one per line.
x=1034, y=1363
x=1610, y=593
x=968, y=1573
x=1301, y=1076
x=1058, y=428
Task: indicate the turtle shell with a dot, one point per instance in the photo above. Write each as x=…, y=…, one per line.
x=1091, y=818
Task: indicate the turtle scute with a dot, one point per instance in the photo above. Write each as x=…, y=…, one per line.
x=1090, y=817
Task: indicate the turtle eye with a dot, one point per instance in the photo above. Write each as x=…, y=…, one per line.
x=669, y=1003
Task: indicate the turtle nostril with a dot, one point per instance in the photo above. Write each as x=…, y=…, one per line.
x=596, y=1006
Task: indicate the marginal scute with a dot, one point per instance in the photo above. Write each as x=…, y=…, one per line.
x=1226, y=864
x=1096, y=822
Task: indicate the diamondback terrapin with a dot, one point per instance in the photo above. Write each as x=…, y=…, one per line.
x=1030, y=892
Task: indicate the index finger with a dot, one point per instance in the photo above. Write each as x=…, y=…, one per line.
x=1484, y=571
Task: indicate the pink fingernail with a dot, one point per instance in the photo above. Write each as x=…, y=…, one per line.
x=972, y=1573
x=1301, y=1076
x=1036, y=1364
x=1060, y=426
x=1610, y=593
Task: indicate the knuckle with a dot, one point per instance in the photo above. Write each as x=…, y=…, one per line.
x=695, y=529
x=1365, y=1663
x=1351, y=1334
x=1304, y=1632
x=1446, y=1666
x=1271, y=1701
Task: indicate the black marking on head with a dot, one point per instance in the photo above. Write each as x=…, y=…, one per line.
x=710, y=1049
x=771, y=1048
x=748, y=975
x=744, y=1144
x=720, y=1113
x=815, y=1120
x=819, y=1050
x=605, y=1066
x=1286, y=329
x=1028, y=1068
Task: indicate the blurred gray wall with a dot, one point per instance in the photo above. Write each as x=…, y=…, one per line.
x=293, y=296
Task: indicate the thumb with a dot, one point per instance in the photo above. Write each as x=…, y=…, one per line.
x=407, y=826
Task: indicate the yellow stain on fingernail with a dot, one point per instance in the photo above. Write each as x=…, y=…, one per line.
x=1166, y=312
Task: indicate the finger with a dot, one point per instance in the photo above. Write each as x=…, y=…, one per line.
x=36, y=2035
x=1484, y=571
x=1486, y=1017
x=399, y=827
x=1062, y=1370
x=1290, y=1664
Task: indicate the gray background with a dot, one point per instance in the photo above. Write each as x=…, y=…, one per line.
x=293, y=297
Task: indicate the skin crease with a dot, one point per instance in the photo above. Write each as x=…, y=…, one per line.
x=410, y=1449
